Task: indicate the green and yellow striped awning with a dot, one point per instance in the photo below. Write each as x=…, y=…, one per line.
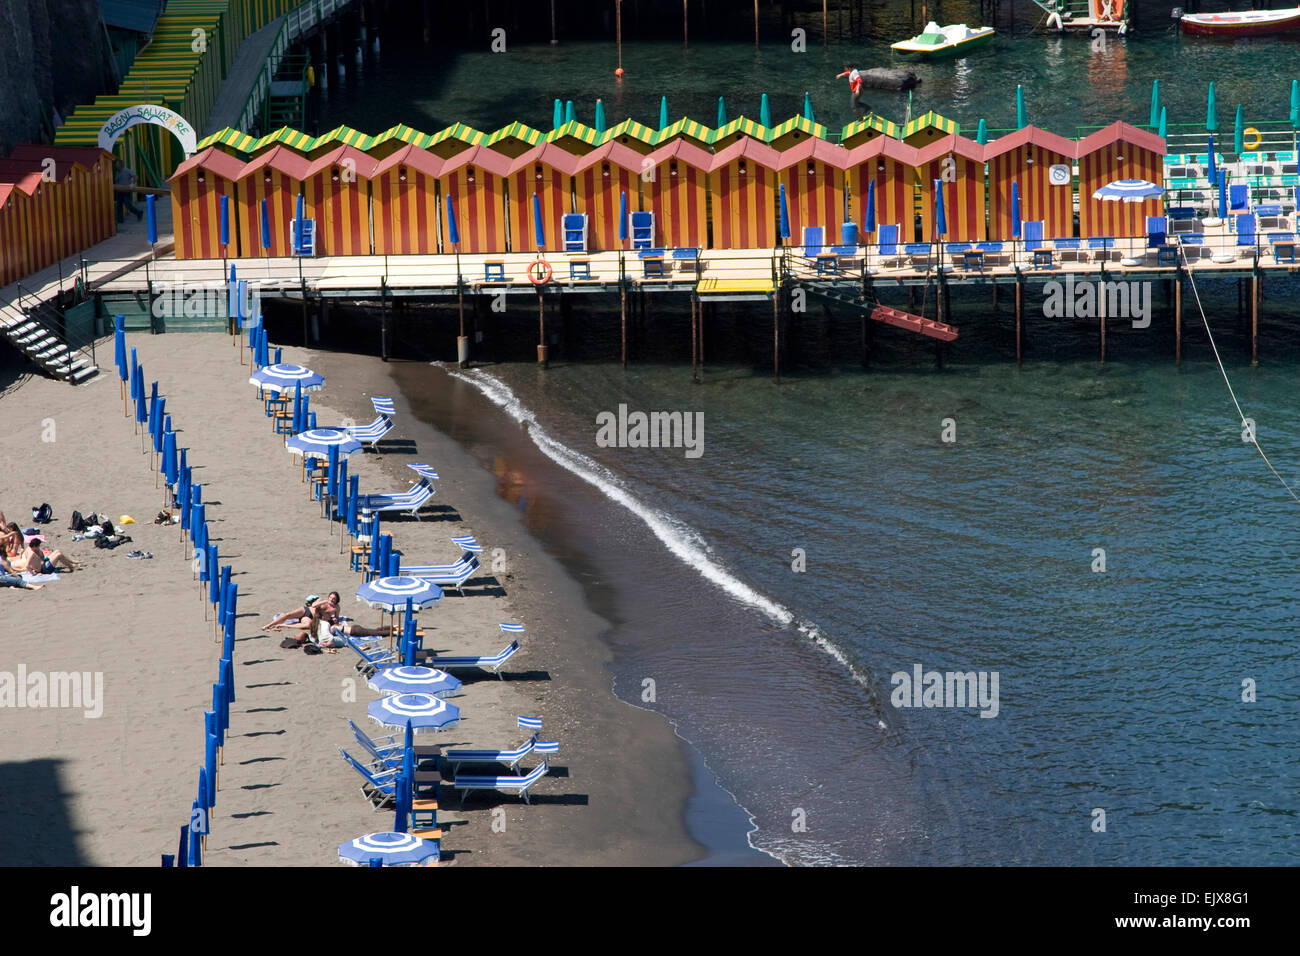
x=342, y=136
x=402, y=133
x=933, y=122
x=233, y=138
x=859, y=131
x=520, y=133
x=452, y=140
x=577, y=133
x=782, y=136
x=740, y=126
x=689, y=129
x=295, y=139
x=631, y=129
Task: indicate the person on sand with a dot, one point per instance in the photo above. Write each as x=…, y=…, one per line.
x=12, y=538
x=855, y=88
x=34, y=561
x=306, y=616
x=9, y=578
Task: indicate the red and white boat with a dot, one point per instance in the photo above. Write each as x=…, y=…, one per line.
x=1246, y=23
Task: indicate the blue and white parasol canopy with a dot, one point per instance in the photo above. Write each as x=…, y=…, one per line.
x=316, y=442
x=425, y=712
x=395, y=849
x=391, y=594
x=283, y=377
x=415, y=680
x=1129, y=190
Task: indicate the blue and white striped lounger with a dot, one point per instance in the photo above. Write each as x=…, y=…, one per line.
x=374, y=656
x=530, y=723
x=451, y=575
x=520, y=785
x=546, y=747
x=410, y=501
x=379, y=787
x=492, y=664
x=510, y=758
x=381, y=426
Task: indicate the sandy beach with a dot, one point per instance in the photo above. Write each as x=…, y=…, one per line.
x=114, y=789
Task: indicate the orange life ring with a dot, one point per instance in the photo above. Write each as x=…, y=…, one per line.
x=540, y=276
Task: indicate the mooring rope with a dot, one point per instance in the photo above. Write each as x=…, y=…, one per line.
x=1249, y=429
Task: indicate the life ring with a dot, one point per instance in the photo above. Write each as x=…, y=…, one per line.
x=539, y=272
x=1251, y=146
x=1054, y=20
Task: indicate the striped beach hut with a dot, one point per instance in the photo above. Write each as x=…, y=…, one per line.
x=1119, y=151
x=892, y=165
x=44, y=226
x=197, y=187
x=813, y=175
x=697, y=134
x=15, y=255
x=575, y=138
x=336, y=193
x=927, y=128
x=232, y=139
x=514, y=140
x=404, y=203
x=796, y=130
x=92, y=170
x=455, y=139
x=740, y=128
x=958, y=163
x=678, y=194
x=476, y=182
x=276, y=176
x=598, y=179
x=742, y=183
x=633, y=135
x=866, y=129
x=545, y=171
x=394, y=139
x=1031, y=157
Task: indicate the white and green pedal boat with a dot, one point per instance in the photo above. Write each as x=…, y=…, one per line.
x=936, y=41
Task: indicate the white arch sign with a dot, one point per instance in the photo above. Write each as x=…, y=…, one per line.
x=170, y=120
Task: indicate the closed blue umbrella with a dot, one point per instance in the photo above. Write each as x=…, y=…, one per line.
x=785, y=215
x=394, y=849
x=1015, y=209
x=266, y=226
x=119, y=347
x=341, y=491
x=151, y=214
x=391, y=594
x=170, y=463
x=414, y=680
x=1211, y=113
x=940, y=220
x=622, y=216
x=453, y=232
x=426, y=713
x=354, y=483
x=331, y=471
x=538, y=231
x=1223, y=193
x=225, y=225
x=297, y=408
x=1212, y=169
x=869, y=222
x=300, y=214
x=764, y=112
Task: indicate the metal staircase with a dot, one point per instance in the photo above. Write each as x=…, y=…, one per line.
x=877, y=312
x=36, y=329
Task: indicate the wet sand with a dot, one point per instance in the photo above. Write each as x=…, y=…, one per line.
x=114, y=790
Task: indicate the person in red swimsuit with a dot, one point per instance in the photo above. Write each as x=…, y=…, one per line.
x=855, y=87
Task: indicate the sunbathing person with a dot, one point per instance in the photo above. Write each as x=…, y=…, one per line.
x=12, y=537
x=9, y=578
x=305, y=617
x=34, y=561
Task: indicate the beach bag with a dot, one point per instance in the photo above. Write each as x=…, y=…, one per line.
x=42, y=514
x=78, y=523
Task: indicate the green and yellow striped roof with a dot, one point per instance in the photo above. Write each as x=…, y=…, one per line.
x=402, y=132
x=741, y=126
x=233, y=138
x=690, y=129
x=633, y=130
x=796, y=123
x=520, y=132
x=586, y=135
x=931, y=120
x=868, y=124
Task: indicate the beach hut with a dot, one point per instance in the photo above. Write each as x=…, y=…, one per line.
x=44, y=226
x=1119, y=151
x=813, y=175
x=336, y=194
x=678, y=194
x=15, y=257
x=275, y=176
x=864, y=130
x=892, y=166
x=455, y=139
x=927, y=128
x=796, y=130
x=599, y=179
x=475, y=179
x=742, y=183
x=544, y=170
x=92, y=179
x=733, y=132
x=396, y=138
x=687, y=130
x=197, y=187
x=1039, y=162
x=958, y=163
x=575, y=138
x=515, y=140
x=404, y=203
x=635, y=136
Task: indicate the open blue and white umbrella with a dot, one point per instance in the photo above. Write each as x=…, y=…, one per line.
x=426, y=713
x=414, y=680
x=316, y=443
x=1129, y=191
x=395, y=849
x=280, y=378
x=391, y=594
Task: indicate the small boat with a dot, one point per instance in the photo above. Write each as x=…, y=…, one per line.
x=1246, y=23
x=937, y=41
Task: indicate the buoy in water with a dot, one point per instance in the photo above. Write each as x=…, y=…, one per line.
x=619, y=71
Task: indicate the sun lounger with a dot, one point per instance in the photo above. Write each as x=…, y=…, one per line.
x=575, y=232
x=381, y=426
x=642, y=226
x=510, y=758
x=374, y=656
x=409, y=501
x=451, y=575
x=1247, y=232
x=887, y=239
x=386, y=752
x=516, y=785
x=379, y=787
x=492, y=664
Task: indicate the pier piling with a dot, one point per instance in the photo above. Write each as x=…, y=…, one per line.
x=1254, y=320
x=1178, y=317
x=1020, y=302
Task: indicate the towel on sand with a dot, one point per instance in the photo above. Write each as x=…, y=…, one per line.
x=39, y=578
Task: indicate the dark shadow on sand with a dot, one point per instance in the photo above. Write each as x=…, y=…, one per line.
x=35, y=826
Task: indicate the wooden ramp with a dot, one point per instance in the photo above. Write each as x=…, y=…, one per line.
x=914, y=323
